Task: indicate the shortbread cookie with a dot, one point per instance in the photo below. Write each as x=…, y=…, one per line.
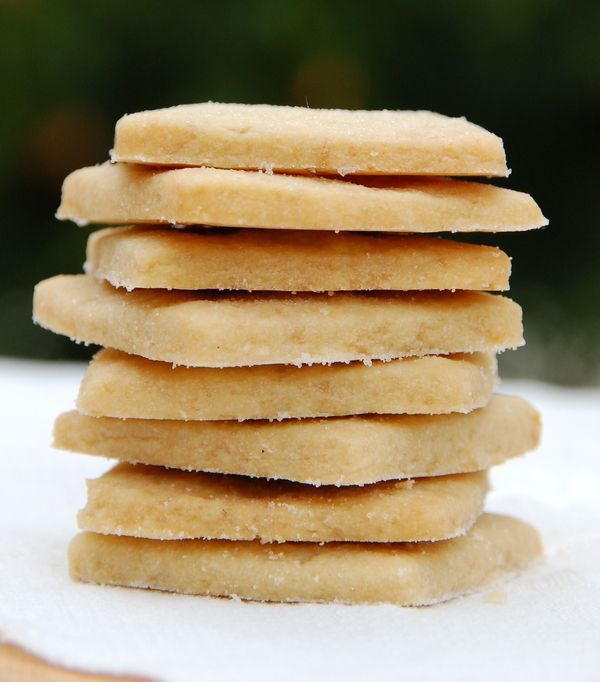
x=120, y=385
x=230, y=198
x=410, y=574
x=229, y=330
x=299, y=139
x=165, y=504
x=290, y=260
x=338, y=451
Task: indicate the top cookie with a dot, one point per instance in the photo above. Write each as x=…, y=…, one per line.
x=298, y=139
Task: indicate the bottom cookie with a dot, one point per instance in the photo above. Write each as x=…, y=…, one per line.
x=406, y=574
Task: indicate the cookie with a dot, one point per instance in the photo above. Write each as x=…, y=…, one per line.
x=300, y=139
x=336, y=451
x=120, y=385
x=410, y=574
x=228, y=330
x=290, y=260
x=229, y=198
x=165, y=504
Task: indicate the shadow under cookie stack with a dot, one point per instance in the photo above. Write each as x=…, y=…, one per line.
x=296, y=382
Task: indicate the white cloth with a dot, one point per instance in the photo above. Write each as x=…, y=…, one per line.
x=547, y=628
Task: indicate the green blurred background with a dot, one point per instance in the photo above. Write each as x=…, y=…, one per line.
x=526, y=69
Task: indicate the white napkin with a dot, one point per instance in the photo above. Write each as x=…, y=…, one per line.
x=543, y=625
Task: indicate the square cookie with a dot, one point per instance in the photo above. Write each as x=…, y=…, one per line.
x=301, y=139
x=231, y=330
x=409, y=574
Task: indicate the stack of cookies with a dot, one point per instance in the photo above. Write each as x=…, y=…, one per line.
x=297, y=384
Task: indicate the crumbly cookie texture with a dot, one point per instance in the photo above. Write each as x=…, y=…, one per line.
x=151, y=502
x=208, y=196
x=228, y=330
x=335, y=451
x=301, y=139
x=410, y=574
x=120, y=385
x=290, y=260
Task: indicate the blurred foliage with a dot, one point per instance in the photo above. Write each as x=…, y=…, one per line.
x=525, y=69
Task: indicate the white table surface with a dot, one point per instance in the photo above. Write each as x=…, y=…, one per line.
x=547, y=627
